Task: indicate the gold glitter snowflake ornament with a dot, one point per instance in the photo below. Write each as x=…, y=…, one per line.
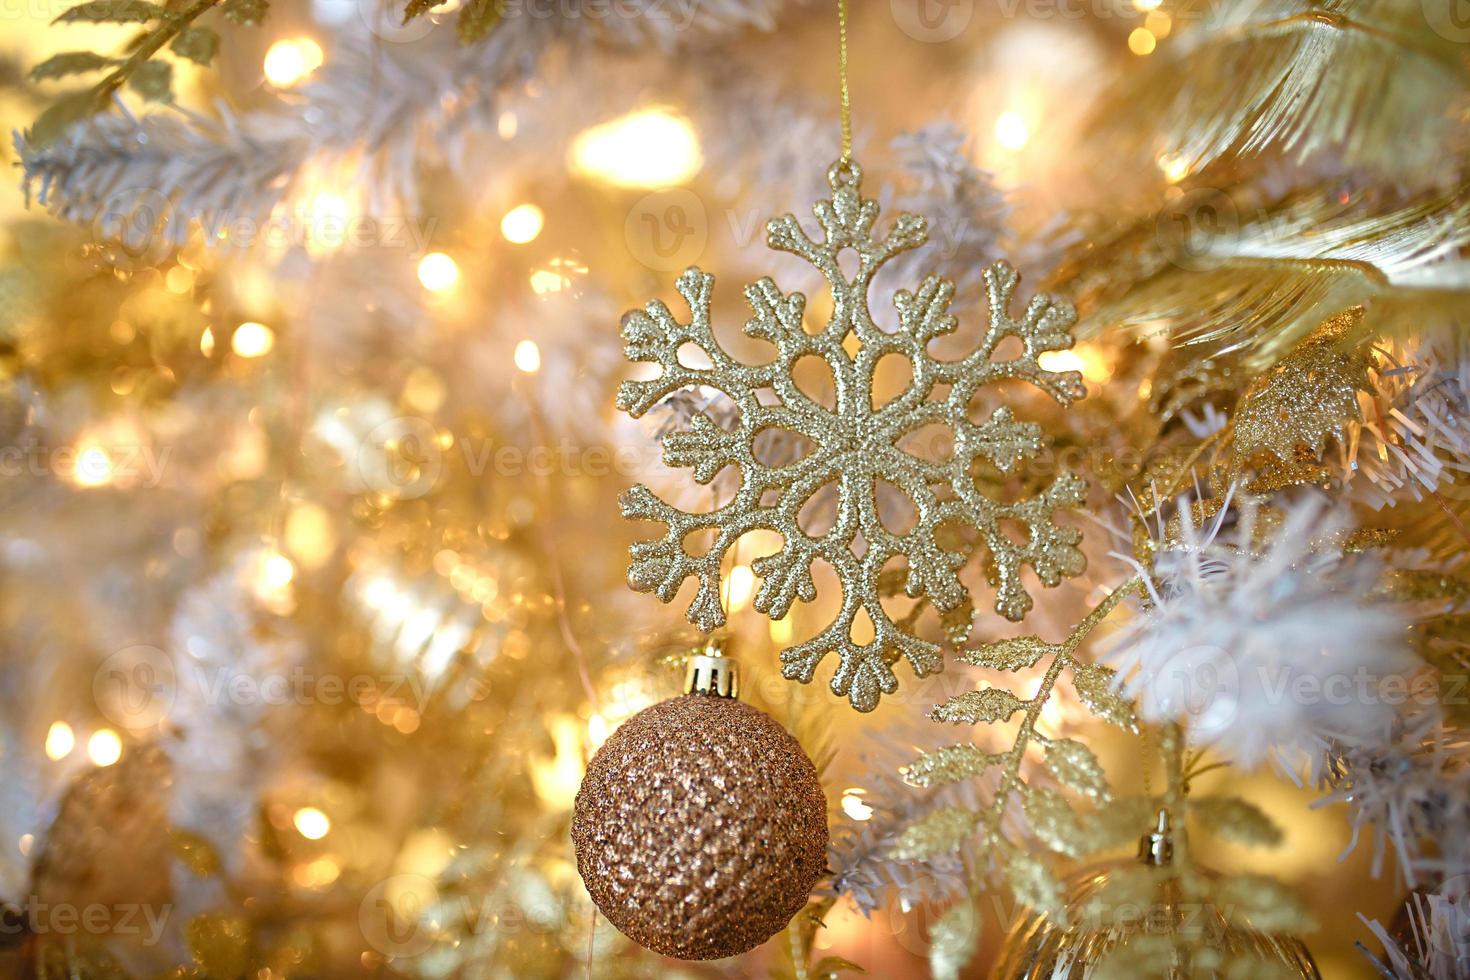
x=855, y=445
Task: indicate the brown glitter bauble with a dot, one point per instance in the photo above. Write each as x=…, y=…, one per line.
x=700, y=827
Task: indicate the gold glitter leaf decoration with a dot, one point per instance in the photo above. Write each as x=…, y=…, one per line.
x=856, y=445
x=1236, y=819
x=1116, y=824
x=1033, y=883
x=1094, y=686
x=953, y=941
x=1310, y=394
x=940, y=831
x=1262, y=903
x=1053, y=822
x=1074, y=764
x=1051, y=816
x=1017, y=653
x=990, y=705
x=949, y=765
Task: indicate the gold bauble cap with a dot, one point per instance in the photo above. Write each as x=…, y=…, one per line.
x=711, y=672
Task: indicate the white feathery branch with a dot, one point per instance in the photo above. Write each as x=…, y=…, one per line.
x=381, y=111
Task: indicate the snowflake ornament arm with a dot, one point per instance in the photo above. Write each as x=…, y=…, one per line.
x=856, y=445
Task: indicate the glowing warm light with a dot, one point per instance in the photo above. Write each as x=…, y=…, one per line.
x=1059, y=360
x=507, y=125
x=179, y=280
x=1054, y=717
x=276, y=572
x=597, y=730
x=544, y=281
x=206, y=342
x=252, y=339
x=1142, y=41
x=528, y=356
x=1086, y=360
x=424, y=390
x=782, y=630
x=317, y=874
x=1174, y=166
x=378, y=592
x=1146, y=5
x=742, y=586
x=621, y=701
x=311, y=823
x=291, y=60
x=522, y=224
x=649, y=148
x=104, y=747
x=556, y=779
x=1159, y=23
x=426, y=853
x=271, y=581
x=309, y=534
x=1011, y=130
x=438, y=273
x=854, y=807
x=556, y=276
x=326, y=212
x=60, y=740
x=93, y=467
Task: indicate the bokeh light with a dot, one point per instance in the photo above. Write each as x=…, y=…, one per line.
x=438, y=273
x=649, y=148
x=289, y=61
x=60, y=740
x=252, y=339
x=104, y=747
x=522, y=224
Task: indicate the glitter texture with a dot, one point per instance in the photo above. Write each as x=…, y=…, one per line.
x=1310, y=395
x=700, y=827
x=858, y=445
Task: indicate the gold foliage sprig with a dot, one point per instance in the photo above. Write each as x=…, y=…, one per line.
x=1071, y=762
x=169, y=24
x=477, y=18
